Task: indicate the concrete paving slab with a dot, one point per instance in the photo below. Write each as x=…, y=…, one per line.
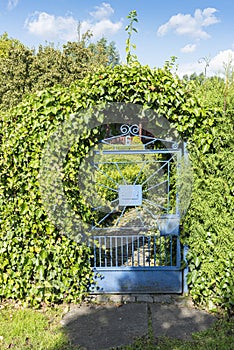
x=178, y=322
x=110, y=325
x=100, y=327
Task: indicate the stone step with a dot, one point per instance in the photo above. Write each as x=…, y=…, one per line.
x=181, y=300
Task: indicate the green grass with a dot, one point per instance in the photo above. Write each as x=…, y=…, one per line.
x=22, y=329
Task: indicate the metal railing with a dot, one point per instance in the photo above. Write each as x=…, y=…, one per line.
x=135, y=251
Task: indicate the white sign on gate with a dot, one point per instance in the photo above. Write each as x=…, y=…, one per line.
x=130, y=195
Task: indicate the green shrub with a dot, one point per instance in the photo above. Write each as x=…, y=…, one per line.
x=38, y=263
x=209, y=222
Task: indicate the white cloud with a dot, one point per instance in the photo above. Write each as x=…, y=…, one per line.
x=12, y=4
x=102, y=12
x=189, y=48
x=193, y=26
x=215, y=64
x=52, y=28
x=64, y=28
x=104, y=27
x=100, y=23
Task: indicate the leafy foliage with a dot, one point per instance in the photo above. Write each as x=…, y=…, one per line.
x=106, y=53
x=24, y=70
x=38, y=263
x=209, y=223
x=216, y=91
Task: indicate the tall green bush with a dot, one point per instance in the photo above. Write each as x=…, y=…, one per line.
x=209, y=222
x=24, y=70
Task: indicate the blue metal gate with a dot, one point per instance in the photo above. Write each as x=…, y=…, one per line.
x=135, y=232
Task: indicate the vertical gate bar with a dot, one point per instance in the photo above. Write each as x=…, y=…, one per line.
x=94, y=253
x=138, y=251
x=127, y=250
x=132, y=250
x=143, y=250
x=165, y=249
x=178, y=253
x=171, y=252
x=116, y=251
x=149, y=241
x=122, y=252
x=178, y=175
x=154, y=242
x=105, y=253
x=89, y=259
x=111, y=255
x=160, y=251
x=168, y=186
x=100, y=252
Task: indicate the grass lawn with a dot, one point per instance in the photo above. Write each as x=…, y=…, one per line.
x=22, y=329
x=219, y=337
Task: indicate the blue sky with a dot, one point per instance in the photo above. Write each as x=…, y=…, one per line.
x=197, y=32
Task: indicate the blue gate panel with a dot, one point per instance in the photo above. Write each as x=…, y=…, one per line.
x=140, y=280
x=135, y=241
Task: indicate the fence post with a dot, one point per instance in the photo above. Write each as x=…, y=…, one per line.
x=185, y=271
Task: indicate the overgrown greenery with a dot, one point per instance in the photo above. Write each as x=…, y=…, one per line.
x=24, y=70
x=209, y=223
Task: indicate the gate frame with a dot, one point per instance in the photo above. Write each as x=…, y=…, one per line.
x=137, y=279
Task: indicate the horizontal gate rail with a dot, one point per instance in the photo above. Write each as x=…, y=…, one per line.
x=137, y=151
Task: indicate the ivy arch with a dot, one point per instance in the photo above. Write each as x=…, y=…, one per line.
x=50, y=264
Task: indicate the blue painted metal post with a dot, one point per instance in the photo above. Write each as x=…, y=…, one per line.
x=185, y=271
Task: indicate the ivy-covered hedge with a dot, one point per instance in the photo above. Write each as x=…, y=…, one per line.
x=37, y=262
x=209, y=223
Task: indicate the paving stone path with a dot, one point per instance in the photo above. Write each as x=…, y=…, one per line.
x=119, y=320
